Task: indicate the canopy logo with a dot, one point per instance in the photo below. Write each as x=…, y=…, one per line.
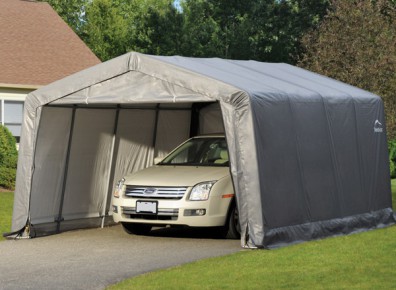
x=378, y=127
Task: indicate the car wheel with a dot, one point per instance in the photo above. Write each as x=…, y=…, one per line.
x=233, y=227
x=136, y=229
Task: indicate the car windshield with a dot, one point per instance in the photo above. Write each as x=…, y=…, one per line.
x=210, y=151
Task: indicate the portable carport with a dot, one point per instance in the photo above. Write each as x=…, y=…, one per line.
x=308, y=154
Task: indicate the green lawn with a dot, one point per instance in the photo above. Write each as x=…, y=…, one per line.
x=360, y=261
x=6, y=204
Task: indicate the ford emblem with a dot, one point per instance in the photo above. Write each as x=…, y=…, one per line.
x=150, y=190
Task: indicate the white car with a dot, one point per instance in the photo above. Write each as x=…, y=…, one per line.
x=191, y=186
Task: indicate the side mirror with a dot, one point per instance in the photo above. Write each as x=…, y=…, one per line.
x=157, y=160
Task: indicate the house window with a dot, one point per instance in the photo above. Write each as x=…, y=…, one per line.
x=11, y=116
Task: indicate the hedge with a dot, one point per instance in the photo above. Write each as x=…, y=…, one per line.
x=8, y=158
x=392, y=157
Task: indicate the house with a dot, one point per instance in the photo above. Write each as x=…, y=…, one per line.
x=36, y=48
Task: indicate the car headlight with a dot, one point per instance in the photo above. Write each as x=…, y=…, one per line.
x=201, y=191
x=118, y=188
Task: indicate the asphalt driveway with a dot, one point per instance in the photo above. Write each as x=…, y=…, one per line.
x=96, y=258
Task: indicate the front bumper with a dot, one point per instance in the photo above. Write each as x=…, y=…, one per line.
x=209, y=213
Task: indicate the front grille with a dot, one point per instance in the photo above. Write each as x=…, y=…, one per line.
x=163, y=214
x=155, y=192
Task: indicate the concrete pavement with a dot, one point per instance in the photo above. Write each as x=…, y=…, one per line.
x=96, y=258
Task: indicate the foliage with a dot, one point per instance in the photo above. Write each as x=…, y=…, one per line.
x=356, y=43
x=392, y=157
x=235, y=27
x=71, y=11
x=261, y=30
x=112, y=28
x=8, y=151
x=6, y=204
x=268, y=30
x=7, y=177
x=158, y=31
x=106, y=29
x=8, y=158
x=281, y=25
x=393, y=187
x=359, y=261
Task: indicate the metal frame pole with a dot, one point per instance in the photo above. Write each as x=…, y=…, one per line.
x=157, y=110
x=111, y=172
x=59, y=218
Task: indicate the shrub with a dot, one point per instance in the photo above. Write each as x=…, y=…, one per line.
x=8, y=158
x=392, y=157
x=7, y=177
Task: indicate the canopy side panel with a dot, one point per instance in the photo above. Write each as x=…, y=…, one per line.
x=373, y=149
x=281, y=177
x=347, y=155
x=322, y=165
x=239, y=129
x=134, y=141
x=172, y=129
x=88, y=172
x=49, y=163
x=31, y=119
x=318, y=171
x=210, y=120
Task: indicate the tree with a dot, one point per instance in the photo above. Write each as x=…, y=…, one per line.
x=356, y=44
x=106, y=29
x=112, y=28
x=159, y=31
x=201, y=33
x=71, y=11
x=266, y=30
x=235, y=19
x=218, y=28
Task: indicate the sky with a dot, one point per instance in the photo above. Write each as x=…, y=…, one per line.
x=177, y=5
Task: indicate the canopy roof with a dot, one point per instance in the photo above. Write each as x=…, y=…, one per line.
x=307, y=152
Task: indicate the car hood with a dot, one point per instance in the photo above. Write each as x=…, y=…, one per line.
x=164, y=175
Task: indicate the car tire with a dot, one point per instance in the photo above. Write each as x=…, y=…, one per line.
x=136, y=229
x=231, y=229
x=232, y=226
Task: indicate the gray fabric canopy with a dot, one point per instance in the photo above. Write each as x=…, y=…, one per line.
x=308, y=154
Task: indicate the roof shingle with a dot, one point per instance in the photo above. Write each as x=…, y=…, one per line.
x=36, y=46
